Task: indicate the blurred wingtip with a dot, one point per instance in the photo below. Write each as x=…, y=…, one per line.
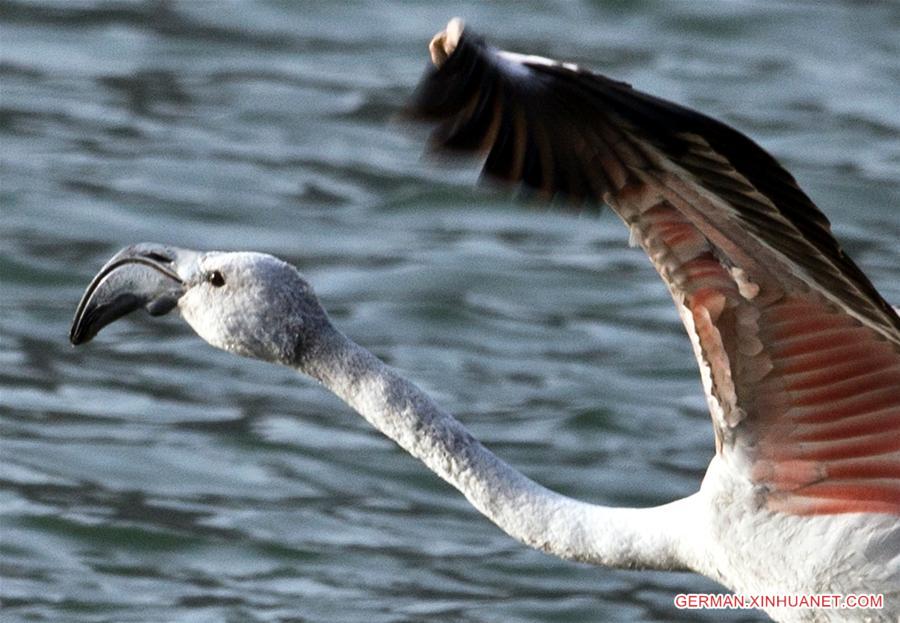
x=444, y=43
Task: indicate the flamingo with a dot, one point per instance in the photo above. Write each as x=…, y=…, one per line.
x=798, y=353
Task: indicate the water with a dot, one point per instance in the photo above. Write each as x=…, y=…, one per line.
x=148, y=477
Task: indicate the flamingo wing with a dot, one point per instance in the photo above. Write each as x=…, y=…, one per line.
x=799, y=353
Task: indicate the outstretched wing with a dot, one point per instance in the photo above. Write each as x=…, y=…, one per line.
x=799, y=354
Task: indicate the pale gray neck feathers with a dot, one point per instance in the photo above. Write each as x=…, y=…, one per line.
x=525, y=510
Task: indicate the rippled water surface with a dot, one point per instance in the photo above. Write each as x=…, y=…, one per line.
x=148, y=477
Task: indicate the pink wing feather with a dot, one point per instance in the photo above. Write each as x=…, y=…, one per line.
x=800, y=352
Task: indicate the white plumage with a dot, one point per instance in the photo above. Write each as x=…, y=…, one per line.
x=798, y=354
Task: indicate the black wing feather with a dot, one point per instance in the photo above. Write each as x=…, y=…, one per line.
x=554, y=130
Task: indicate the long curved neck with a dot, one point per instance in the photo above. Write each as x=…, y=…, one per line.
x=530, y=513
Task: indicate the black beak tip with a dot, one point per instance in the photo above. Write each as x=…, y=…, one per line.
x=76, y=337
x=81, y=331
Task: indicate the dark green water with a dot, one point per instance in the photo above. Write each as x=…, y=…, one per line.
x=148, y=477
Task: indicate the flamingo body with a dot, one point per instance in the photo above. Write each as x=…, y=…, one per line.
x=799, y=355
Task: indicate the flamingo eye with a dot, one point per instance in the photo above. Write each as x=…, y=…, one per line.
x=215, y=279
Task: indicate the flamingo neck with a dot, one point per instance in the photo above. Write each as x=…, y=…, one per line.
x=527, y=511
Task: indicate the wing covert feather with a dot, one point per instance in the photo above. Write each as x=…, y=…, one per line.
x=799, y=353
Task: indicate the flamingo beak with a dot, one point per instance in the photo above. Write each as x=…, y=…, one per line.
x=148, y=275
